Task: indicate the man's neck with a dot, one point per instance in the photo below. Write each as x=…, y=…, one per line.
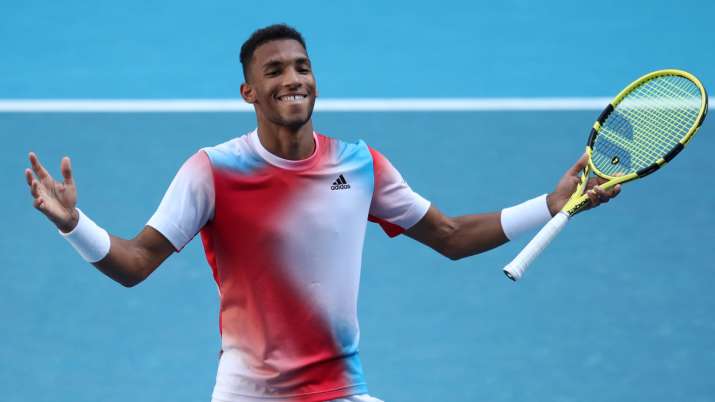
x=286, y=143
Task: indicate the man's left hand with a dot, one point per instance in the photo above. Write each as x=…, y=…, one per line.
x=568, y=183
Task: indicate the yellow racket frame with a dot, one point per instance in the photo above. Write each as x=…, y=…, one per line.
x=579, y=201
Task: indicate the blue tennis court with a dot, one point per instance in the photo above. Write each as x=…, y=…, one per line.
x=626, y=315
x=619, y=308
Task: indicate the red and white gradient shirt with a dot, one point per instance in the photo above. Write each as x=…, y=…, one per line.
x=284, y=240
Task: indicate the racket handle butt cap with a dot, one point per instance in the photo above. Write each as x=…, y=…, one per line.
x=510, y=276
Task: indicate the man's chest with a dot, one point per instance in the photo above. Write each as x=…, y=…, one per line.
x=279, y=203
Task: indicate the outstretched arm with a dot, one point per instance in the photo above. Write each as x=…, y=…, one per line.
x=131, y=261
x=127, y=261
x=462, y=236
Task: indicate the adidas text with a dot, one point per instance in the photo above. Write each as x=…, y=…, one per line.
x=340, y=184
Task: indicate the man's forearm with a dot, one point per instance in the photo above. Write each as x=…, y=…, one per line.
x=127, y=262
x=460, y=236
x=474, y=234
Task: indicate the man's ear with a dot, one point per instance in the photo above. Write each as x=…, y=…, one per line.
x=247, y=93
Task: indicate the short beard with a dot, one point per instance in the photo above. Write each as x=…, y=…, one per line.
x=296, y=123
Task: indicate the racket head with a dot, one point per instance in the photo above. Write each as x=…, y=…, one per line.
x=643, y=128
x=646, y=125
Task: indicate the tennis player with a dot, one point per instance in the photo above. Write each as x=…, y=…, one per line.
x=282, y=213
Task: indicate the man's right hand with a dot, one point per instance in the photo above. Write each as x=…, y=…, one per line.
x=129, y=261
x=57, y=200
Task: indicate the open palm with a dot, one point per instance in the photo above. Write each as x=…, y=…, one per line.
x=55, y=199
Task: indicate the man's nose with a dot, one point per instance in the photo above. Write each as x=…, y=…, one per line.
x=291, y=78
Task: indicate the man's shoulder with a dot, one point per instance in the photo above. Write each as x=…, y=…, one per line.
x=346, y=153
x=233, y=145
x=341, y=146
x=228, y=152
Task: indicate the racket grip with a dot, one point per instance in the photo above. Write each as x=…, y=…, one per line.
x=516, y=268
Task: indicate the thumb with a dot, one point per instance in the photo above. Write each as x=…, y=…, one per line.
x=66, y=168
x=579, y=165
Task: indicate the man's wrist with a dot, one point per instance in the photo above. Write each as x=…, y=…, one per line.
x=525, y=217
x=68, y=226
x=552, y=204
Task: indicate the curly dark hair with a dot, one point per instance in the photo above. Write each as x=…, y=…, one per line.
x=264, y=35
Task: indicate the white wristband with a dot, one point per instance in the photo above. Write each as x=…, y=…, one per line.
x=525, y=217
x=91, y=241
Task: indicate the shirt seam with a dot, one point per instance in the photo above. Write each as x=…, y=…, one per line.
x=172, y=228
x=411, y=211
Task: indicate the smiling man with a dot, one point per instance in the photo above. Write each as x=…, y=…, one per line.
x=287, y=271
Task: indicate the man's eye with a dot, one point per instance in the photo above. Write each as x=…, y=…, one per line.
x=271, y=73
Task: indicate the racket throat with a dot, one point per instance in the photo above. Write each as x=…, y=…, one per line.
x=576, y=205
x=579, y=201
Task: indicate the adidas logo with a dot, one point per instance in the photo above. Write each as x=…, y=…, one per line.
x=340, y=184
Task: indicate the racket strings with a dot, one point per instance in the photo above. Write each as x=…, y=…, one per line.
x=646, y=125
x=681, y=105
x=667, y=101
x=671, y=116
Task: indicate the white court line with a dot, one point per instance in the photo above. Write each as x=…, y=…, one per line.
x=322, y=105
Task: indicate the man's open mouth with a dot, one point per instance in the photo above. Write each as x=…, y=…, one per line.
x=292, y=98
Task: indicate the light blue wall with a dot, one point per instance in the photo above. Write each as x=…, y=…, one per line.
x=624, y=316
x=162, y=49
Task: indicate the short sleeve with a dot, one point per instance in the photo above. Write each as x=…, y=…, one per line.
x=188, y=202
x=394, y=205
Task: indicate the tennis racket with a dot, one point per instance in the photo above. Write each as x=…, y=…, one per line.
x=642, y=129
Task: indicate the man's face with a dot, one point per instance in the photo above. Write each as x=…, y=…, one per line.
x=280, y=83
